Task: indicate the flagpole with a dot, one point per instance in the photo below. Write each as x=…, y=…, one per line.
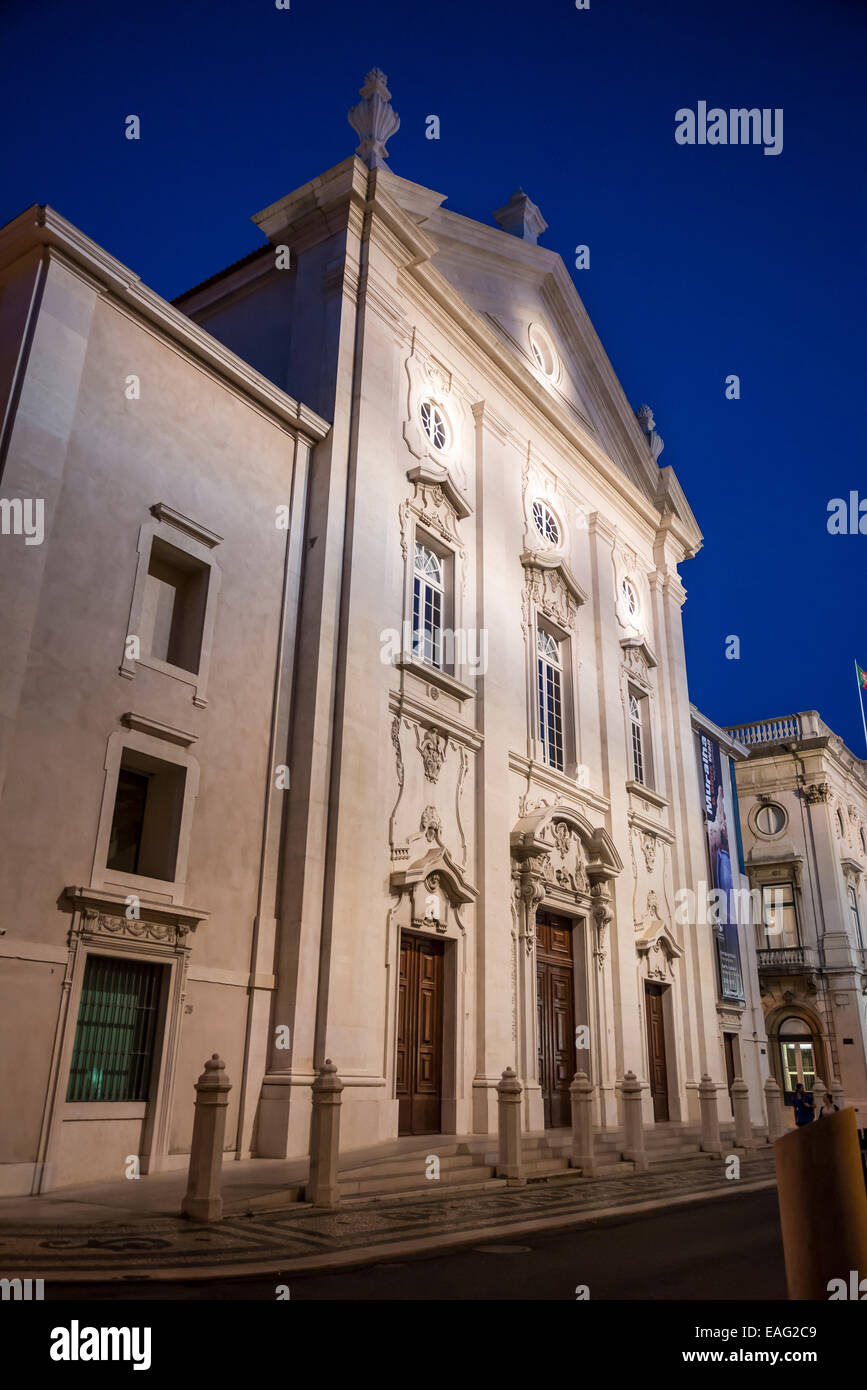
x=861, y=698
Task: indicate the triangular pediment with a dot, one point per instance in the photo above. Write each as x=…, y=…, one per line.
x=511, y=284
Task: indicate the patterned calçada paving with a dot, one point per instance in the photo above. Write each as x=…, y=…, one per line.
x=118, y=1250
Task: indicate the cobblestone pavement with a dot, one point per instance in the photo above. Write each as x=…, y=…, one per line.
x=300, y=1237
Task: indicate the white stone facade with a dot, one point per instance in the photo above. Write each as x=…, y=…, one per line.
x=440, y=836
x=143, y=439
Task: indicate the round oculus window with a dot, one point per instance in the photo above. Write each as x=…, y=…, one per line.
x=770, y=819
x=433, y=422
x=543, y=353
x=546, y=522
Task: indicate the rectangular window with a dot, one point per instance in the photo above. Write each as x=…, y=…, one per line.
x=114, y=1040
x=549, y=668
x=146, y=824
x=176, y=590
x=126, y=826
x=779, y=925
x=856, y=919
x=428, y=603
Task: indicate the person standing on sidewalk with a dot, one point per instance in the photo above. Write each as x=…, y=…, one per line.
x=804, y=1111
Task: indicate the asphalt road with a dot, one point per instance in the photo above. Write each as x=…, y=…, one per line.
x=727, y=1250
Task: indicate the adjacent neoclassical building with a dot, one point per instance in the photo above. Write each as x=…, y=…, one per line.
x=355, y=728
x=803, y=807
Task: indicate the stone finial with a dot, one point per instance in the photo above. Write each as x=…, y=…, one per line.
x=374, y=120
x=644, y=416
x=520, y=217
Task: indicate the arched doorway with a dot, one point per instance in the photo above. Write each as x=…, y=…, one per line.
x=798, y=1055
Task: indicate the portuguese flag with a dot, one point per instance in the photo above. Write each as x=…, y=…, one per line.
x=862, y=676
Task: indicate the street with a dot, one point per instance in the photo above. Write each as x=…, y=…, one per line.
x=728, y=1250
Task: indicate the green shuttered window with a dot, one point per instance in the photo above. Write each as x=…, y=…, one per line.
x=114, y=1039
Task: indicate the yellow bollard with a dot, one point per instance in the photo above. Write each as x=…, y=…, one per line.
x=823, y=1206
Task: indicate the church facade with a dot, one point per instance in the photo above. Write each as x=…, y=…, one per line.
x=440, y=793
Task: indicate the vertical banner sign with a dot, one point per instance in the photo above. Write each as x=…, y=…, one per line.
x=727, y=945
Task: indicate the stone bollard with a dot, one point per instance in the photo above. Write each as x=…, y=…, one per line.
x=836, y=1089
x=708, y=1104
x=775, y=1110
x=203, y=1201
x=741, y=1106
x=633, y=1125
x=510, y=1164
x=581, y=1094
x=323, y=1187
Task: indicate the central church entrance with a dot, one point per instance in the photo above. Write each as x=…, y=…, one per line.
x=555, y=997
x=420, y=1035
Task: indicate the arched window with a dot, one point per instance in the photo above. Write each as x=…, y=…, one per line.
x=630, y=597
x=550, y=679
x=637, y=730
x=841, y=824
x=427, y=606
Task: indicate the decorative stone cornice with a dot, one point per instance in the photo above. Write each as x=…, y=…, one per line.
x=102, y=912
x=638, y=658
x=550, y=586
x=143, y=725
x=191, y=528
x=435, y=475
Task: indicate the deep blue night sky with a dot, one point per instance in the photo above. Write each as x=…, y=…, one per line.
x=705, y=261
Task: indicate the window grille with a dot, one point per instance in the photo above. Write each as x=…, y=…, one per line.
x=114, y=1038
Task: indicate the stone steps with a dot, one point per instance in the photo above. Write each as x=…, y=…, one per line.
x=470, y=1163
x=473, y=1175
x=411, y=1164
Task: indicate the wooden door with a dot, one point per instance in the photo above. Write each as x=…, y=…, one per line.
x=656, y=1050
x=555, y=1002
x=419, y=1035
x=729, y=1041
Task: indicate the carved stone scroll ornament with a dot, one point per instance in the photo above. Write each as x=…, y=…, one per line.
x=431, y=824
x=602, y=917
x=529, y=890
x=570, y=874
x=433, y=752
x=648, y=844
x=546, y=592
x=635, y=664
